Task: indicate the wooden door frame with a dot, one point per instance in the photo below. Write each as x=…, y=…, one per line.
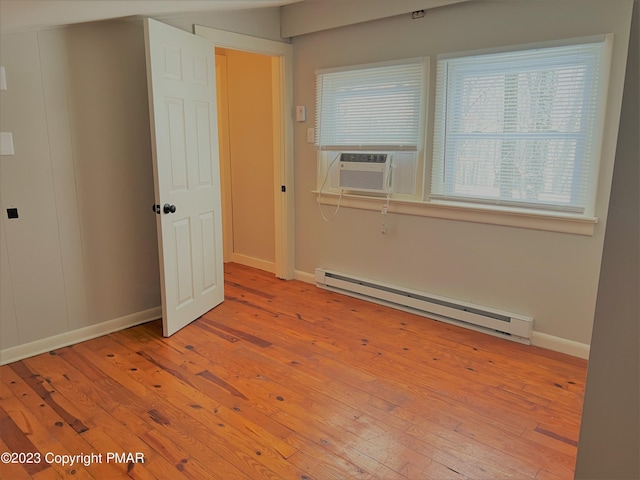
x=282, y=71
x=225, y=164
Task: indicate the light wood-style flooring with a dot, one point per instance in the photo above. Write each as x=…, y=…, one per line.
x=288, y=381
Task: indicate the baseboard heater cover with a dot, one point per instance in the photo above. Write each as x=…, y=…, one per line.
x=508, y=325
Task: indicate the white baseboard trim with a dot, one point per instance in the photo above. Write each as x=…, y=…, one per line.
x=13, y=354
x=542, y=340
x=254, y=262
x=562, y=345
x=304, y=277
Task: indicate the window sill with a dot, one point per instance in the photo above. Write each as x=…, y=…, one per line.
x=505, y=216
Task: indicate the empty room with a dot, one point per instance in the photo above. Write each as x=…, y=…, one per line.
x=319, y=239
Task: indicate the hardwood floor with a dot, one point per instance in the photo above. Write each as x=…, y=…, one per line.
x=287, y=381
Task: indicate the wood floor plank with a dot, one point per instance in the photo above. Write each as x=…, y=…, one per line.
x=284, y=380
x=401, y=358
x=545, y=475
x=106, y=433
x=184, y=462
x=208, y=409
x=43, y=427
x=434, y=399
x=521, y=448
x=363, y=439
x=317, y=468
x=202, y=435
x=13, y=440
x=192, y=365
x=129, y=412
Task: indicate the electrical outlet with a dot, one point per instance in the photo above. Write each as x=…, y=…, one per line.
x=6, y=143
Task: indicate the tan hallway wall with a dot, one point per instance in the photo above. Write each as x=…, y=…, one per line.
x=250, y=149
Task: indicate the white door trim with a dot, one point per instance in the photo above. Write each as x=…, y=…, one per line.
x=283, y=141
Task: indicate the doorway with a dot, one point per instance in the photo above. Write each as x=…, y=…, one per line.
x=281, y=57
x=246, y=137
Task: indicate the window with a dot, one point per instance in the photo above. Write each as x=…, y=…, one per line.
x=369, y=107
x=520, y=128
x=517, y=133
x=372, y=108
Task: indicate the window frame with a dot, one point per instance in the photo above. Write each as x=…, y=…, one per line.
x=449, y=101
x=420, y=203
x=327, y=153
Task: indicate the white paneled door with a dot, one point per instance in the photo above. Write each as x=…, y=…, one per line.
x=182, y=102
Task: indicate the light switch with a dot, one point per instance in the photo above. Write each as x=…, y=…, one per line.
x=3, y=79
x=301, y=113
x=311, y=135
x=6, y=143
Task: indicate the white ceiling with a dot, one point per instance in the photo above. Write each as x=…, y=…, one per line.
x=20, y=15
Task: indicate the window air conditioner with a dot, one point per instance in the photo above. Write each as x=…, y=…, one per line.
x=365, y=172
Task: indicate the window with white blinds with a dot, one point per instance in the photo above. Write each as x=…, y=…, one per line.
x=520, y=128
x=370, y=107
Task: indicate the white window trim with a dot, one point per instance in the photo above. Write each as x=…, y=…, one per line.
x=510, y=216
x=505, y=216
x=441, y=194
x=418, y=148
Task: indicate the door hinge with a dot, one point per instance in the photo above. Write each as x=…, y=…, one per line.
x=283, y=188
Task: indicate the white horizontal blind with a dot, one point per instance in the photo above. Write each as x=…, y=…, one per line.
x=368, y=108
x=519, y=128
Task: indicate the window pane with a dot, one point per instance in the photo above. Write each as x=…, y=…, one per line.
x=543, y=100
x=378, y=106
x=513, y=170
x=517, y=128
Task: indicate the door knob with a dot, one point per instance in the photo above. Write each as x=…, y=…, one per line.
x=169, y=208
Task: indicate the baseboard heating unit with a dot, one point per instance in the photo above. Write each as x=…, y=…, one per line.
x=508, y=325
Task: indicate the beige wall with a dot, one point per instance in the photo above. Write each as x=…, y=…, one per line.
x=83, y=255
x=261, y=23
x=249, y=87
x=109, y=132
x=306, y=17
x=550, y=276
x=33, y=270
x=84, y=248
x=609, y=444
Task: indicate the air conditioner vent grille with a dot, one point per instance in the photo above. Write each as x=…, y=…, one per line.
x=366, y=172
